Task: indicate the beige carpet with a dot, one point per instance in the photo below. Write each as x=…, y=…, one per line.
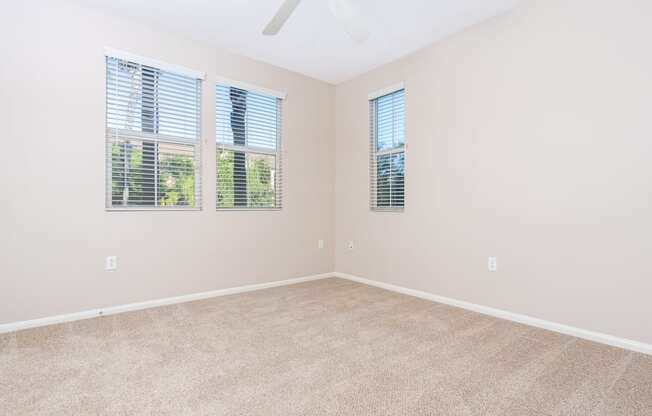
x=330, y=347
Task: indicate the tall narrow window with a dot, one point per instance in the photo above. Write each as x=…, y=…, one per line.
x=387, y=151
x=152, y=136
x=248, y=135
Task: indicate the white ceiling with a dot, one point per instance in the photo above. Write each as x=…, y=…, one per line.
x=312, y=42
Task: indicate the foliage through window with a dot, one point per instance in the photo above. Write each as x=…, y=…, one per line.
x=387, y=151
x=152, y=136
x=248, y=135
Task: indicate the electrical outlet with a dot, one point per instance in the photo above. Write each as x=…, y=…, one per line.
x=492, y=264
x=111, y=263
x=320, y=244
x=350, y=245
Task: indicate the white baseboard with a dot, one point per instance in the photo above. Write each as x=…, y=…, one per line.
x=498, y=313
x=524, y=319
x=112, y=310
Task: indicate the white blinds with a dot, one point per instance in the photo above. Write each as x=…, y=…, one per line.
x=152, y=137
x=248, y=135
x=387, y=151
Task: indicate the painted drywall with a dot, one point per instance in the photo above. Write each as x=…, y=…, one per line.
x=529, y=139
x=55, y=230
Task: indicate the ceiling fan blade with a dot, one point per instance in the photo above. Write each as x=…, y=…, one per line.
x=281, y=16
x=348, y=14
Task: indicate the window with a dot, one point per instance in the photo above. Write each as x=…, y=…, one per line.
x=152, y=136
x=248, y=135
x=387, y=155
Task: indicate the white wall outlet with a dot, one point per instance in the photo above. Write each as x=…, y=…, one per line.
x=111, y=263
x=492, y=264
x=350, y=245
x=320, y=244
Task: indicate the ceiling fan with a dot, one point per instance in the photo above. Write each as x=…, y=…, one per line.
x=345, y=11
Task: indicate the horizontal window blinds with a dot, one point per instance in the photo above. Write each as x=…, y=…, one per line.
x=248, y=136
x=153, y=146
x=387, y=151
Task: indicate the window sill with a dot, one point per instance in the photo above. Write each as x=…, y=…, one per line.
x=148, y=209
x=397, y=210
x=246, y=209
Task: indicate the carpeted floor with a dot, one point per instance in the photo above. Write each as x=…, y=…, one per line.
x=329, y=347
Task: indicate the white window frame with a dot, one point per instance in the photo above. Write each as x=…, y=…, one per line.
x=172, y=68
x=277, y=152
x=374, y=153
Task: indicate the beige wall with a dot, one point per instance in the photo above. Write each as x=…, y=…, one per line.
x=529, y=138
x=55, y=231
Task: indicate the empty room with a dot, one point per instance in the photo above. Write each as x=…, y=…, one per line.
x=326, y=207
